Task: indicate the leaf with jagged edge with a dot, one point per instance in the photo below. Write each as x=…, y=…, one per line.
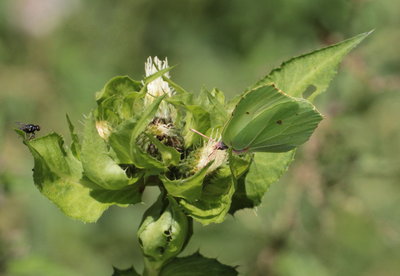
x=57, y=174
x=125, y=272
x=315, y=69
x=294, y=77
x=197, y=265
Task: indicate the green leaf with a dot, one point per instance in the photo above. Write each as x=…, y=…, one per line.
x=21, y=134
x=232, y=103
x=268, y=120
x=189, y=188
x=312, y=71
x=98, y=166
x=295, y=76
x=120, y=141
x=57, y=174
x=75, y=145
x=118, y=86
x=125, y=272
x=118, y=100
x=131, y=194
x=197, y=118
x=214, y=103
x=239, y=164
x=215, y=199
x=124, y=140
x=143, y=160
x=145, y=119
x=169, y=155
x=158, y=74
x=179, y=90
x=265, y=169
x=197, y=265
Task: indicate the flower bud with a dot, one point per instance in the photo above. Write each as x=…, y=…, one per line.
x=164, y=232
x=104, y=129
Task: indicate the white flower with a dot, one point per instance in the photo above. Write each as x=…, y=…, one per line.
x=210, y=152
x=158, y=87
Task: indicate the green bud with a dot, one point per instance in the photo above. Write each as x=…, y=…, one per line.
x=164, y=232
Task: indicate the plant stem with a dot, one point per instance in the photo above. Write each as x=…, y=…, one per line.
x=150, y=269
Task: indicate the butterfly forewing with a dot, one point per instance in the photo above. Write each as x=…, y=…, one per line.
x=263, y=126
x=289, y=129
x=267, y=120
x=249, y=107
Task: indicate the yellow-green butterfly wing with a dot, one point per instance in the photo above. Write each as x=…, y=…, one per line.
x=268, y=120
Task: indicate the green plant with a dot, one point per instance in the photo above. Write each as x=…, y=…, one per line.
x=146, y=133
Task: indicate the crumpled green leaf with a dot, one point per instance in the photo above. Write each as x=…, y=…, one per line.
x=215, y=199
x=97, y=164
x=57, y=174
x=127, y=153
x=170, y=156
x=189, y=188
x=116, y=101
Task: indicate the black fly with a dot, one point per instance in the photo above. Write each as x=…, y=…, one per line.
x=29, y=129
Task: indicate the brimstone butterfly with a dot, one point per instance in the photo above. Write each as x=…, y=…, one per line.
x=268, y=120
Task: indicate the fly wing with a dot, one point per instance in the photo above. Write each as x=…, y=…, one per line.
x=21, y=126
x=268, y=120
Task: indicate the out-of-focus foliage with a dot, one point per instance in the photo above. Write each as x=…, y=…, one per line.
x=335, y=213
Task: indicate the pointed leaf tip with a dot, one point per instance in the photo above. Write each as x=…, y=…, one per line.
x=312, y=71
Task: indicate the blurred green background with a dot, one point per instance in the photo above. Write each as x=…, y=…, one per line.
x=336, y=212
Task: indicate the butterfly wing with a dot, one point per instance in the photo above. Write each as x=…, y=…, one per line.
x=268, y=120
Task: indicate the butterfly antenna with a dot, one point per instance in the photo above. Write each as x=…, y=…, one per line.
x=201, y=134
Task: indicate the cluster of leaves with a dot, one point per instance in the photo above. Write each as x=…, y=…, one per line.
x=125, y=147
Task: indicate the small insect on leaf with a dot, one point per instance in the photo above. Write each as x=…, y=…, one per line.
x=29, y=129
